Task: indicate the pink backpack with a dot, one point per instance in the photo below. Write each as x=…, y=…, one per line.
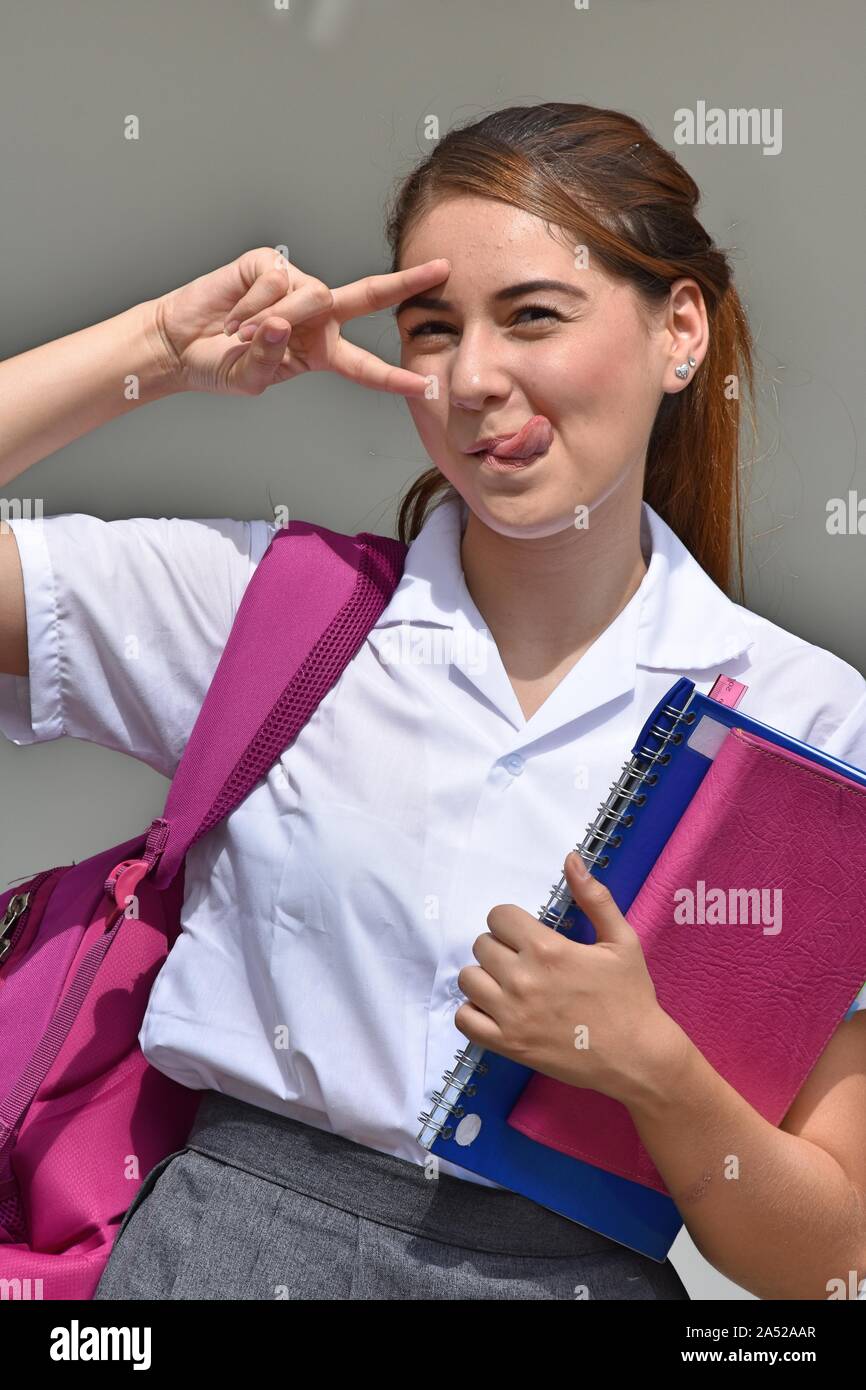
x=81, y=944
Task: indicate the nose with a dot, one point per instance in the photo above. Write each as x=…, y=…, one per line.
x=475, y=376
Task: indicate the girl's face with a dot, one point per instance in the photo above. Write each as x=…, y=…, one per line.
x=501, y=352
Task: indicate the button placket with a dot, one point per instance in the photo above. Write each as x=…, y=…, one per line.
x=447, y=994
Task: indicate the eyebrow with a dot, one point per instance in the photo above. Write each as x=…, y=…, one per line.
x=428, y=301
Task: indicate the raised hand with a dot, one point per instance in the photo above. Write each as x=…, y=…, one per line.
x=294, y=325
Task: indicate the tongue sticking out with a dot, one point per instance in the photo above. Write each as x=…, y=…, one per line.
x=535, y=437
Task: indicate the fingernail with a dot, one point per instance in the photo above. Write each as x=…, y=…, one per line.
x=231, y=328
x=578, y=865
x=273, y=335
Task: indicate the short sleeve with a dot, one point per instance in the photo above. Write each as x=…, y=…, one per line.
x=126, y=623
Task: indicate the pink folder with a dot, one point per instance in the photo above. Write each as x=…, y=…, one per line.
x=761, y=990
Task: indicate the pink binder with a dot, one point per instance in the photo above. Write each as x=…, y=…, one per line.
x=759, y=995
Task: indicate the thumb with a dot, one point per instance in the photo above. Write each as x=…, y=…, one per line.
x=595, y=899
x=256, y=369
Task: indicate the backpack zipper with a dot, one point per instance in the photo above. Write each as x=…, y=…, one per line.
x=15, y=917
x=15, y=909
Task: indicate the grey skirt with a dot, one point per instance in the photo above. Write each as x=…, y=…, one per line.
x=260, y=1206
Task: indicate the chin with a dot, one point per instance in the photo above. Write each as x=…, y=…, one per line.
x=527, y=516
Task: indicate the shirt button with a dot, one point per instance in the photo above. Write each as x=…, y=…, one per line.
x=514, y=763
x=454, y=990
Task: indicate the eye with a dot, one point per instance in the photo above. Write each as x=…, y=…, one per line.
x=430, y=328
x=545, y=311
x=422, y=330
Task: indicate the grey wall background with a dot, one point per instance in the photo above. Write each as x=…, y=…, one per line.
x=265, y=127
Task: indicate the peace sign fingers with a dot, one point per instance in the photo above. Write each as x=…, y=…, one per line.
x=367, y=369
x=374, y=292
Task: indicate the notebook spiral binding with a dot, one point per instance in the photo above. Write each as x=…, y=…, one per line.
x=614, y=812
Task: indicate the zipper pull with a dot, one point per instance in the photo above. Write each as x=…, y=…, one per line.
x=14, y=909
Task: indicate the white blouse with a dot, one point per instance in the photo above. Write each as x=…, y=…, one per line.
x=325, y=923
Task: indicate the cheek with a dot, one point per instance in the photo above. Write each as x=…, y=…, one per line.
x=557, y=377
x=429, y=418
x=592, y=384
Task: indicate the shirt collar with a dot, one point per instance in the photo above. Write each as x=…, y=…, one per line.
x=684, y=621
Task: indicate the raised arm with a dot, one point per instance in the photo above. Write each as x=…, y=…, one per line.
x=55, y=393
x=61, y=390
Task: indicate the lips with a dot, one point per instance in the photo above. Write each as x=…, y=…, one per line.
x=535, y=437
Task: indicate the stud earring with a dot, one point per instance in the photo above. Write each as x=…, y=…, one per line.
x=683, y=370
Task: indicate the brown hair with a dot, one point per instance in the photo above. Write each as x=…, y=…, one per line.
x=601, y=177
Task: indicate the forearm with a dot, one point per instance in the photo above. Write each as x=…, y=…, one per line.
x=61, y=390
x=770, y=1210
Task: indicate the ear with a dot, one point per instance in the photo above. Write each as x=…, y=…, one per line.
x=686, y=332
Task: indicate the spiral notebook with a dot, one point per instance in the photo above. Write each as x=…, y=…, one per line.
x=709, y=795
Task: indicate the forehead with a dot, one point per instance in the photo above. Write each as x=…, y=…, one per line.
x=493, y=248
x=482, y=230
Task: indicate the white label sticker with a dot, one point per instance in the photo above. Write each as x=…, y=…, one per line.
x=707, y=736
x=468, y=1129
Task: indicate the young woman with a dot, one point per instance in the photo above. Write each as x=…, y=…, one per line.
x=557, y=300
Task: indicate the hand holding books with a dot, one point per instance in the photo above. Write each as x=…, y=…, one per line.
x=584, y=1014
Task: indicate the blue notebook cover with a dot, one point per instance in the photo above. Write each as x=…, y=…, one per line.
x=466, y=1122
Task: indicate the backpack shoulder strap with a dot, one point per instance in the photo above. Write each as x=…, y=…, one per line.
x=313, y=598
